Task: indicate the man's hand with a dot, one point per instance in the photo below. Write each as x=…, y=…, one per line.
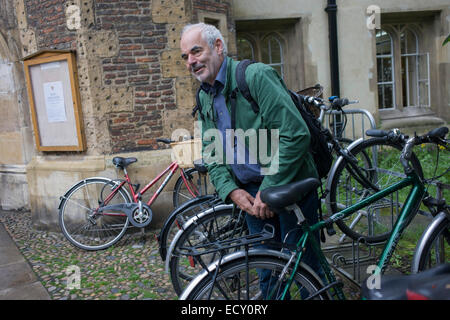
x=243, y=199
x=260, y=209
x=253, y=206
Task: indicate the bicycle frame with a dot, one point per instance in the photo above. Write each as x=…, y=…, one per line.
x=407, y=213
x=137, y=194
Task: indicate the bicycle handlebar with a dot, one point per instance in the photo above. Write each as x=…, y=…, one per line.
x=434, y=136
x=340, y=103
x=335, y=102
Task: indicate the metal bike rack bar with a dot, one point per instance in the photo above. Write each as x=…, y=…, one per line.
x=348, y=263
x=356, y=115
x=345, y=257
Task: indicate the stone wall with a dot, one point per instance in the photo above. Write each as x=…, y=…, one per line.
x=47, y=18
x=128, y=61
x=133, y=84
x=137, y=67
x=16, y=144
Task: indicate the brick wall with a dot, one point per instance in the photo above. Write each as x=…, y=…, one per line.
x=48, y=19
x=136, y=65
x=144, y=64
x=211, y=6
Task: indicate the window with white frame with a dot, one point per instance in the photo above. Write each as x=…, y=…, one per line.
x=272, y=53
x=403, y=68
x=385, y=70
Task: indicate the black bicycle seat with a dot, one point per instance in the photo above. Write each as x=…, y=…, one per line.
x=395, y=287
x=283, y=196
x=123, y=162
x=199, y=165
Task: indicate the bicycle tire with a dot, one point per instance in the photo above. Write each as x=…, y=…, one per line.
x=345, y=190
x=180, y=216
x=196, y=182
x=228, y=284
x=209, y=227
x=439, y=238
x=79, y=202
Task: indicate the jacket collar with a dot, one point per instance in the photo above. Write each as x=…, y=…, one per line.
x=220, y=80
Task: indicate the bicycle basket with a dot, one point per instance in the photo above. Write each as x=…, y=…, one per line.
x=185, y=152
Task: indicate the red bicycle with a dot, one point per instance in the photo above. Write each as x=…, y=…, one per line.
x=95, y=212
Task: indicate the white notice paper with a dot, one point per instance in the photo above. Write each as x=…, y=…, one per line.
x=54, y=101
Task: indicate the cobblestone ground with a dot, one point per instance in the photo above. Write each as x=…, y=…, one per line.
x=132, y=269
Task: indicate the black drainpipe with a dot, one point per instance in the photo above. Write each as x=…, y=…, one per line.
x=331, y=9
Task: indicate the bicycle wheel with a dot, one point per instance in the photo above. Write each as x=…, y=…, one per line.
x=211, y=226
x=350, y=184
x=180, y=216
x=434, y=247
x=239, y=279
x=79, y=221
x=198, y=183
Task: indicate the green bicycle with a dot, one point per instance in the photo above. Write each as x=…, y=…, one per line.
x=237, y=276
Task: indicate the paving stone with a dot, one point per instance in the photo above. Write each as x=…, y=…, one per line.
x=33, y=291
x=16, y=274
x=10, y=254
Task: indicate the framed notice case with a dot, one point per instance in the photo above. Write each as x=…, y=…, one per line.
x=52, y=84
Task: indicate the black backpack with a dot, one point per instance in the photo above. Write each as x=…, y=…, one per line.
x=319, y=135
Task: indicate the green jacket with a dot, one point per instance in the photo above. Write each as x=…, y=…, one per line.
x=277, y=111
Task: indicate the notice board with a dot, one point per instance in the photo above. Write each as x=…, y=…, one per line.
x=54, y=97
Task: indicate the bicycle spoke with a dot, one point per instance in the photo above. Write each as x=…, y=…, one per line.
x=78, y=204
x=92, y=231
x=253, y=279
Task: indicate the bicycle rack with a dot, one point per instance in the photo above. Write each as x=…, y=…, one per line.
x=353, y=265
x=356, y=115
x=361, y=254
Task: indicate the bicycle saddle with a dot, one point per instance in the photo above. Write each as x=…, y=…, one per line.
x=283, y=196
x=123, y=162
x=199, y=165
x=397, y=287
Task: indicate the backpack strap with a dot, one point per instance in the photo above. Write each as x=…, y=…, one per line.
x=242, y=84
x=242, y=87
x=233, y=108
x=198, y=106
